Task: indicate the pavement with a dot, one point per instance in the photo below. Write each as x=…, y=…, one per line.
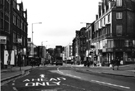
x=10, y=73
x=124, y=70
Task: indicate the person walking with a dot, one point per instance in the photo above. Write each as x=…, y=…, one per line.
x=20, y=59
x=118, y=63
x=113, y=63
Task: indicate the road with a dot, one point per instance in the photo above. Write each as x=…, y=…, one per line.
x=66, y=78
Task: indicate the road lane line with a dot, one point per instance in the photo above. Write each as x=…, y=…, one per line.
x=14, y=88
x=75, y=87
x=13, y=83
x=68, y=74
x=110, y=84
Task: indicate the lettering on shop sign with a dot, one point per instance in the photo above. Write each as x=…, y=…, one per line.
x=43, y=81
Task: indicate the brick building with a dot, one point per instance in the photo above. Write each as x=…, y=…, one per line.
x=79, y=45
x=13, y=26
x=114, y=30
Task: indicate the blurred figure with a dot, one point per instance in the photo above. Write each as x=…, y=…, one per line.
x=113, y=63
x=118, y=63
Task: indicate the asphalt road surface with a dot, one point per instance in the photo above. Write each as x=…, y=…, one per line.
x=65, y=78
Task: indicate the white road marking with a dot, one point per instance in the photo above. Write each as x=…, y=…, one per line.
x=74, y=87
x=68, y=74
x=13, y=83
x=96, y=81
x=42, y=76
x=14, y=88
x=106, y=83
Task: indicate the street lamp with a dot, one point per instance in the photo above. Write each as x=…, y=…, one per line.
x=32, y=50
x=32, y=29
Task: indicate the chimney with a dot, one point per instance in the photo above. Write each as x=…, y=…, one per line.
x=99, y=9
x=96, y=17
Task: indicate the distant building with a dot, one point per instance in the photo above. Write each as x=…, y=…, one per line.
x=79, y=45
x=68, y=52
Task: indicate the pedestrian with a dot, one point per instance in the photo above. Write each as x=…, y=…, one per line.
x=113, y=63
x=19, y=59
x=118, y=63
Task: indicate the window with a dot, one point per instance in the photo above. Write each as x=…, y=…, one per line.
x=127, y=43
x=18, y=21
x=119, y=15
x=21, y=24
x=101, y=23
x=14, y=37
x=14, y=4
x=24, y=41
x=108, y=17
x=24, y=27
x=110, y=43
x=118, y=3
x=6, y=24
x=133, y=43
x=118, y=30
x=1, y=2
x=1, y=23
x=104, y=20
x=14, y=18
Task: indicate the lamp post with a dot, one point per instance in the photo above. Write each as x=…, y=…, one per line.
x=32, y=48
x=32, y=29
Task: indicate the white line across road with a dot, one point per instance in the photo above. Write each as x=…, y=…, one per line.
x=94, y=81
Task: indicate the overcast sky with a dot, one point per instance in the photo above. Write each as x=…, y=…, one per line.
x=60, y=19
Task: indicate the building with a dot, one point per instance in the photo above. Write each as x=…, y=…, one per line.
x=79, y=45
x=76, y=47
x=82, y=45
x=68, y=52
x=13, y=27
x=114, y=30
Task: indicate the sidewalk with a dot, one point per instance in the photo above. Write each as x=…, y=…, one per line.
x=7, y=74
x=125, y=70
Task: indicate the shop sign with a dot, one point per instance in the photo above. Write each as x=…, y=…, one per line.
x=104, y=50
x=20, y=40
x=109, y=50
x=3, y=40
